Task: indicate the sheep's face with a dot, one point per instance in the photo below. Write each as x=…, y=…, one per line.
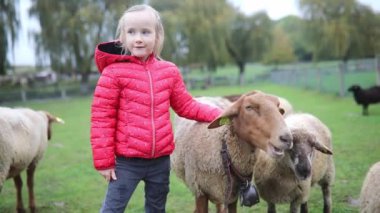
x=354, y=88
x=301, y=156
x=257, y=119
x=302, y=153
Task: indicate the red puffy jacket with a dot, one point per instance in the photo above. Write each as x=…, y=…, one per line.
x=130, y=109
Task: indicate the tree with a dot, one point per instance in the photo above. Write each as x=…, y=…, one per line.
x=9, y=25
x=204, y=24
x=175, y=46
x=339, y=29
x=367, y=23
x=343, y=28
x=248, y=39
x=71, y=29
x=293, y=27
x=281, y=50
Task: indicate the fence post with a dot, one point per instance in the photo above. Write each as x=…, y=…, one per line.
x=319, y=79
x=23, y=95
x=63, y=93
x=342, y=70
x=23, y=86
x=377, y=66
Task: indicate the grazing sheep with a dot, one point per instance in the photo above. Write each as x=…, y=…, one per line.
x=290, y=179
x=23, y=139
x=284, y=104
x=370, y=192
x=365, y=97
x=253, y=121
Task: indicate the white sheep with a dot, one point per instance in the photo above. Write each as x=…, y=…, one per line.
x=370, y=192
x=289, y=180
x=254, y=121
x=23, y=140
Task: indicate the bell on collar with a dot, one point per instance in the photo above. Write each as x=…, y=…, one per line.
x=248, y=195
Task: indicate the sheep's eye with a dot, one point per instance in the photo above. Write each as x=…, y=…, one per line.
x=249, y=108
x=252, y=108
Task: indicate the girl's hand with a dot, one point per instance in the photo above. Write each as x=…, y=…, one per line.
x=108, y=174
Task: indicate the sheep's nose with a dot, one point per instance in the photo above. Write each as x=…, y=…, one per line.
x=303, y=171
x=287, y=139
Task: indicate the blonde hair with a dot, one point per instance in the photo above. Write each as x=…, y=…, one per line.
x=121, y=34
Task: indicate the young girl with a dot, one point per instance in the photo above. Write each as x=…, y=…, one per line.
x=131, y=132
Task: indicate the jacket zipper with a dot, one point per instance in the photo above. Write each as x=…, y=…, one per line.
x=152, y=112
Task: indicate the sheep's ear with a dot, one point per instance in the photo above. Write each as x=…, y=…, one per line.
x=53, y=118
x=227, y=115
x=322, y=148
x=220, y=121
x=59, y=120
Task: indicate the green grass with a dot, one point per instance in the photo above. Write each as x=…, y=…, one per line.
x=251, y=69
x=66, y=181
x=228, y=74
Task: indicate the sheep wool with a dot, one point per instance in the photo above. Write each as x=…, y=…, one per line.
x=197, y=157
x=289, y=180
x=24, y=138
x=370, y=192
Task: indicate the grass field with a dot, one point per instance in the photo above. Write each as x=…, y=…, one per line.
x=66, y=181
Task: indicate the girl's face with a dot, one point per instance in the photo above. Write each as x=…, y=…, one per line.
x=141, y=33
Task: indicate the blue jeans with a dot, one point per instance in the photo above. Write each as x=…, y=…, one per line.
x=129, y=172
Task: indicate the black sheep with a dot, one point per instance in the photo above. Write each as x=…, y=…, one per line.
x=365, y=97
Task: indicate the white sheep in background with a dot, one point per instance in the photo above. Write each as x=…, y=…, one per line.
x=23, y=140
x=289, y=180
x=253, y=122
x=370, y=192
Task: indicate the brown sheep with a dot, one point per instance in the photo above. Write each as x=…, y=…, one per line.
x=23, y=140
x=284, y=103
x=253, y=122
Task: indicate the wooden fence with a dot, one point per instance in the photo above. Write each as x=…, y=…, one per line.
x=330, y=77
x=333, y=77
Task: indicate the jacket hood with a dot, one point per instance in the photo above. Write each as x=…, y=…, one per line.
x=111, y=52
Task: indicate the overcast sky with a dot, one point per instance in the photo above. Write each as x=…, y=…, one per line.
x=276, y=9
